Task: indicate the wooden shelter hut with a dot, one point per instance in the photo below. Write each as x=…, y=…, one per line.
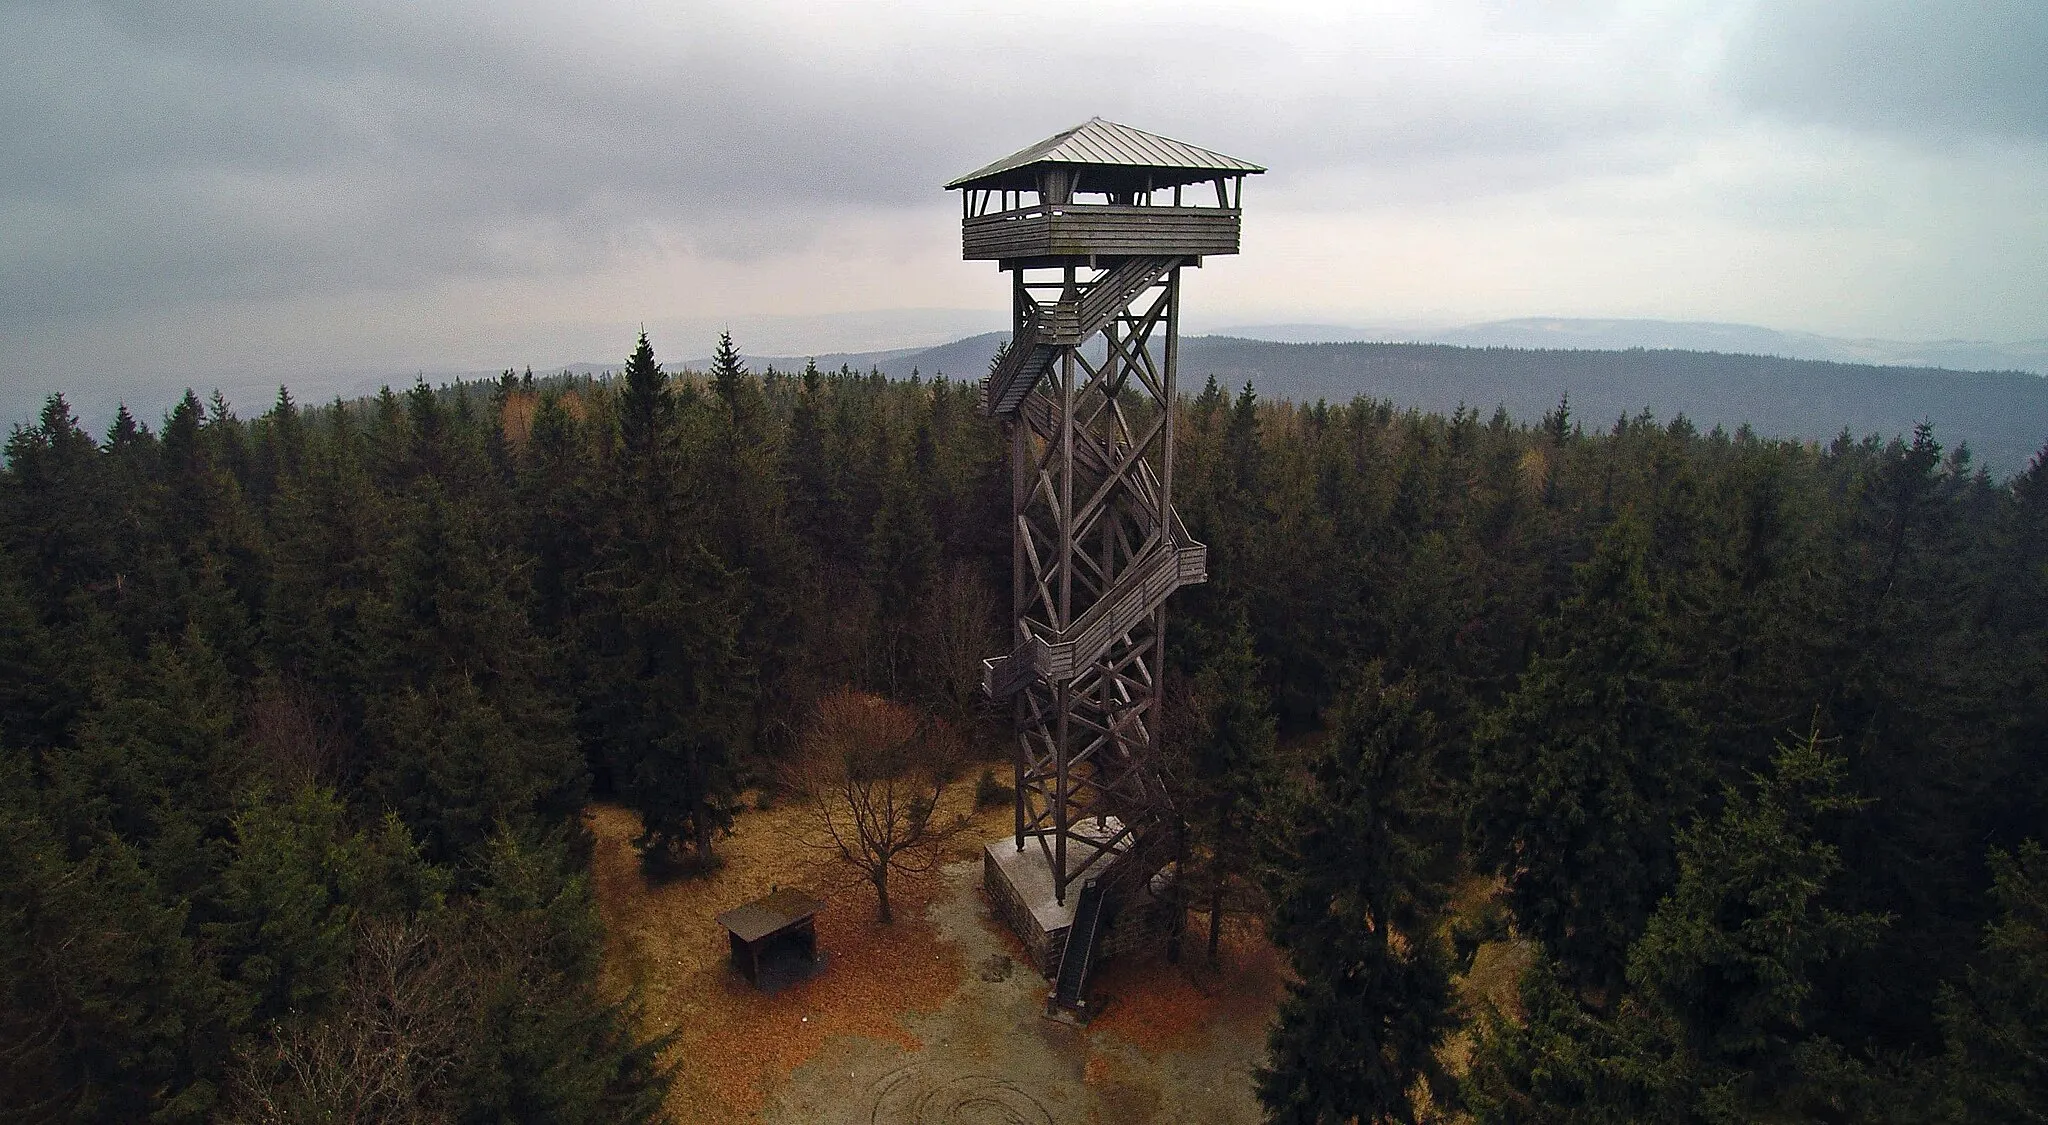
x=777, y=927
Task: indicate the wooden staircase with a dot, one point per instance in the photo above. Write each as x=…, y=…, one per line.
x=1170, y=561
x=1064, y=324
x=1077, y=958
x=1173, y=561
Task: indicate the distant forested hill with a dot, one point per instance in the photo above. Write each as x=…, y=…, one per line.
x=2002, y=416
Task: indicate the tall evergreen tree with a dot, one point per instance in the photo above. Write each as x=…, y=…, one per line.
x=1581, y=774
x=902, y=561
x=1357, y=885
x=466, y=733
x=1995, y=1020
x=54, y=509
x=547, y=1047
x=1716, y=1025
x=556, y=493
x=1229, y=766
x=661, y=619
x=748, y=495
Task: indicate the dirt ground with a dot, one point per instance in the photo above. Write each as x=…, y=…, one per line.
x=933, y=1019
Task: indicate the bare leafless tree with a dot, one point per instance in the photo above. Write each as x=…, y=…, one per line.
x=377, y=1059
x=873, y=774
x=298, y=741
x=959, y=629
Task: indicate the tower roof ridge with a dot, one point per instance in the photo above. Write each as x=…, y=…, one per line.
x=1100, y=142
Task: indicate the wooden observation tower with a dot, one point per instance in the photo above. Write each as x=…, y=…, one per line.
x=1095, y=226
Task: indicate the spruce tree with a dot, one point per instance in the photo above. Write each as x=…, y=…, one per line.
x=748, y=496
x=1717, y=1020
x=465, y=731
x=331, y=535
x=1229, y=767
x=728, y=371
x=809, y=474
x=1995, y=1020
x=555, y=492
x=1581, y=776
x=902, y=561
x=1727, y=962
x=55, y=510
x=111, y=1009
x=543, y=1044
x=39, y=692
x=284, y=901
x=661, y=617
x=647, y=414
x=1357, y=884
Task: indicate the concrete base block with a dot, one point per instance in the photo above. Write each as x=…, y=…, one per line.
x=1019, y=888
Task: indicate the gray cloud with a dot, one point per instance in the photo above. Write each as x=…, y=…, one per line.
x=272, y=151
x=211, y=150
x=1942, y=72
x=204, y=153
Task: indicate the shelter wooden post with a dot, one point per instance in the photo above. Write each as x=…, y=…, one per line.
x=782, y=922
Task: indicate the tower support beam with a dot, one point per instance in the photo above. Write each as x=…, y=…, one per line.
x=1098, y=550
x=1095, y=230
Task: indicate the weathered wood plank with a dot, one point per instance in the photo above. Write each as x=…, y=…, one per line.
x=1081, y=231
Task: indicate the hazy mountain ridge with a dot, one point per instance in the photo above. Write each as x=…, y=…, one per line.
x=2003, y=416
x=1620, y=334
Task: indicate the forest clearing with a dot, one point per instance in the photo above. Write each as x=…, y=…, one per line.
x=934, y=1010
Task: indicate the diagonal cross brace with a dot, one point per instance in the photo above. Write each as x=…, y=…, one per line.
x=1141, y=588
x=1064, y=324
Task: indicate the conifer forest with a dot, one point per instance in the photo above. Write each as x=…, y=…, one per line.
x=299, y=710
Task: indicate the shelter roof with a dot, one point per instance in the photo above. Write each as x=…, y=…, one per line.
x=1106, y=144
x=764, y=916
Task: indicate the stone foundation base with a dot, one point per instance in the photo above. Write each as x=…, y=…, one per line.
x=1019, y=888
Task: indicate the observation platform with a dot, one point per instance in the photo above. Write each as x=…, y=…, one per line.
x=1086, y=230
x=1023, y=210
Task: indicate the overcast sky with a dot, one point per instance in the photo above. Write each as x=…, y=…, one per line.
x=325, y=194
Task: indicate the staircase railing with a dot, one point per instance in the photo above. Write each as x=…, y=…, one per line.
x=1078, y=957
x=1064, y=324
x=1142, y=587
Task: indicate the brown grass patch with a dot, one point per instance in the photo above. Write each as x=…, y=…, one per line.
x=1496, y=973
x=1496, y=977
x=733, y=1042
x=1471, y=897
x=1494, y=980
x=1157, y=1006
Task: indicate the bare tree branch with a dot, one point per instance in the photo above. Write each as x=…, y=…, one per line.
x=874, y=775
x=379, y=1057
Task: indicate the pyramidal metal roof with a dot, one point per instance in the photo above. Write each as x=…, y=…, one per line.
x=1100, y=142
